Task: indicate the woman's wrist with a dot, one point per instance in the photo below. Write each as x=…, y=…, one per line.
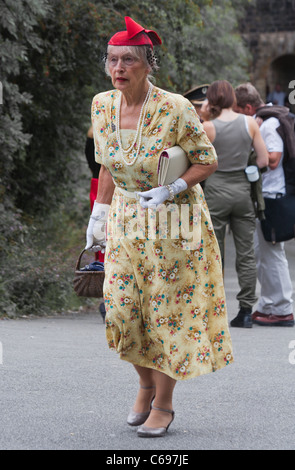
x=176, y=187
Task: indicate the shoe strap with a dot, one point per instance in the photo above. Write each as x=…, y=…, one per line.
x=163, y=409
x=147, y=388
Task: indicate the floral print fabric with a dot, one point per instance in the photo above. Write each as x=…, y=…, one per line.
x=164, y=298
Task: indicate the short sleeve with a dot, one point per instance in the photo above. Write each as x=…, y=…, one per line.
x=96, y=112
x=192, y=138
x=273, y=141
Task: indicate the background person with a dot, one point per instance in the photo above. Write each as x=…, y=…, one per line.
x=275, y=303
x=94, y=167
x=197, y=96
x=228, y=192
x=277, y=96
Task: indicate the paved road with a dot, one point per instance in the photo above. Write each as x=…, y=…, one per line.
x=62, y=389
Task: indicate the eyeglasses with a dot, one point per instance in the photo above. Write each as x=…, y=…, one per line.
x=127, y=60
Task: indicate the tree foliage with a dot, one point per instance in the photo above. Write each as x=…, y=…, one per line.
x=50, y=67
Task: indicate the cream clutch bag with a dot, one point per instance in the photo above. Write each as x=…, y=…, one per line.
x=173, y=163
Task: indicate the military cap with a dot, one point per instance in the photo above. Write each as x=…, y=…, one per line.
x=197, y=95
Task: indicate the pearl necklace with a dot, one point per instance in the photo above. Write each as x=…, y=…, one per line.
x=139, y=128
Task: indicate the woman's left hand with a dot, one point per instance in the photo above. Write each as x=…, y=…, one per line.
x=156, y=196
x=153, y=197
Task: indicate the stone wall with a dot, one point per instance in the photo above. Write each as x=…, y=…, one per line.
x=269, y=16
x=269, y=31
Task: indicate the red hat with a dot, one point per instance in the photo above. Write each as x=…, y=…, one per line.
x=135, y=35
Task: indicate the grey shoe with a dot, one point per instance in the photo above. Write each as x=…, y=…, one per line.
x=136, y=419
x=145, y=431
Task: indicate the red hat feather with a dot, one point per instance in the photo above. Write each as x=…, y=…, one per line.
x=135, y=35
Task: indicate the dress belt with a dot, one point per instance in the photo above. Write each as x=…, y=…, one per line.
x=130, y=194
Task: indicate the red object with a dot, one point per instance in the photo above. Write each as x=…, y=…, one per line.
x=93, y=191
x=135, y=35
x=99, y=256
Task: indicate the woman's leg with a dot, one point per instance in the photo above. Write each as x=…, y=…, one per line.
x=243, y=227
x=163, y=399
x=159, y=385
x=146, y=391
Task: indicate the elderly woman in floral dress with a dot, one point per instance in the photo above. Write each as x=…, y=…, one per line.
x=164, y=298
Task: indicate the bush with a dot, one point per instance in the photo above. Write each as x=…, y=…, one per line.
x=37, y=276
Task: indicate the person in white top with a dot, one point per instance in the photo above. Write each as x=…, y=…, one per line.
x=274, y=307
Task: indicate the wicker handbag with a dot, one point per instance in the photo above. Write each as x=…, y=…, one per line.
x=88, y=283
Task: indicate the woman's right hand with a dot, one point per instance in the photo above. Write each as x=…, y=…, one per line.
x=96, y=230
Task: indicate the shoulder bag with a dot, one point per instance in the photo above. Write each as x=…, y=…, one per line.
x=279, y=222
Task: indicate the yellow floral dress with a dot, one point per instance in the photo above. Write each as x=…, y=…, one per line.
x=165, y=303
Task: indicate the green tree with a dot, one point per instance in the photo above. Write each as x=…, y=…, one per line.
x=50, y=68
x=206, y=45
x=17, y=20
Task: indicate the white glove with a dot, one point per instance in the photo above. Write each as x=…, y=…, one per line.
x=96, y=230
x=156, y=196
